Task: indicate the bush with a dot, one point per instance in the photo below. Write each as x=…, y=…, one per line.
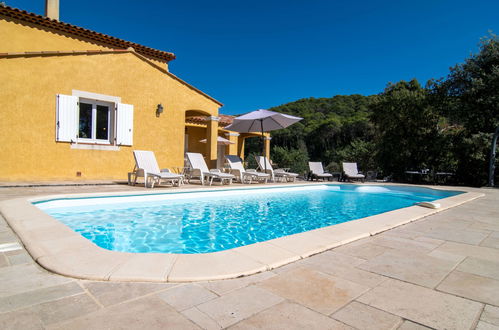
x=295, y=159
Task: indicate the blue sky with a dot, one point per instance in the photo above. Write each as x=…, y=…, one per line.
x=259, y=54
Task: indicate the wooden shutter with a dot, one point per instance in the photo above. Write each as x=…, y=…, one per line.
x=66, y=118
x=124, y=124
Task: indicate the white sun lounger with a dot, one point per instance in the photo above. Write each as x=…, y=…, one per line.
x=351, y=172
x=200, y=169
x=237, y=168
x=276, y=175
x=146, y=166
x=318, y=171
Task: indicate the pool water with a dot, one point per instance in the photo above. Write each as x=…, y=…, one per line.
x=201, y=222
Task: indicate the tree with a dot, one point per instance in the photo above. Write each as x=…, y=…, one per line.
x=406, y=128
x=470, y=94
x=469, y=98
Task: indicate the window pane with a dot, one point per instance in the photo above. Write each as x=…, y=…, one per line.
x=102, y=131
x=85, y=125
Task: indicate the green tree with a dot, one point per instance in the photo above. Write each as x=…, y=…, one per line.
x=469, y=96
x=406, y=128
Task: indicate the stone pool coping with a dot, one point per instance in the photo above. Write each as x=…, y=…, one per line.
x=59, y=249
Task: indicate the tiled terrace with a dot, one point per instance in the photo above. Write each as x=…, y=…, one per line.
x=440, y=272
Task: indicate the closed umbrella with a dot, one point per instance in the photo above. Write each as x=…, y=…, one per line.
x=262, y=121
x=220, y=141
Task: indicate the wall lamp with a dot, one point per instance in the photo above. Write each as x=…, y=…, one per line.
x=159, y=110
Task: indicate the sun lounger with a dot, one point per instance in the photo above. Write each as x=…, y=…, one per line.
x=237, y=168
x=351, y=172
x=200, y=170
x=146, y=166
x=277, y=174
x=318, y=171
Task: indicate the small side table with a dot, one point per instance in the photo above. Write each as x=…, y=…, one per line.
x=338, y=175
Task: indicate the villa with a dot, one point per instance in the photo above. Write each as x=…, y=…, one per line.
x=78, y=105
x=75, y=101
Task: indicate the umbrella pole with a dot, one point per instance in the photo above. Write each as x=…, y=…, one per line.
x=263, y=145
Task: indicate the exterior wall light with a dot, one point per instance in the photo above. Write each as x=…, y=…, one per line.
x=159, y=110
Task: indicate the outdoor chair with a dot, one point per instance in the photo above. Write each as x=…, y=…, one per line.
x=146, y=166
x=317, y=171
x=236, y=168
x=277, y=174
x=200, y=170
x=351, y=172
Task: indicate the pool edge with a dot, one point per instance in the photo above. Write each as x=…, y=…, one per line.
x=47, y=241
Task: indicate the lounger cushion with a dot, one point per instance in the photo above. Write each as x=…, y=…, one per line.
x=358, y=176
x=323, y=174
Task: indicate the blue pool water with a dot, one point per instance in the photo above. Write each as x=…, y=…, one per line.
x=202, y=222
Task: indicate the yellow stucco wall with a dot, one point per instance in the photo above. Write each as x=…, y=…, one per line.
x=196, y=134
x=28, y=108
x=25, y=37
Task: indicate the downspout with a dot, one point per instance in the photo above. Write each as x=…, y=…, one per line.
x=492, y=161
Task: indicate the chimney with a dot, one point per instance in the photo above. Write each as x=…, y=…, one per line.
x=52, y=9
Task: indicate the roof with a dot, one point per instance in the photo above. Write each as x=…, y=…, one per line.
x=225, y=120
x=112, y=42
x=110, y=51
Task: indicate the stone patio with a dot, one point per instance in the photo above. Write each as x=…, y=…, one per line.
x=441, y=272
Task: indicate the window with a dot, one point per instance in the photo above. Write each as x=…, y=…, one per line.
x=95, y=120
x=92, y=121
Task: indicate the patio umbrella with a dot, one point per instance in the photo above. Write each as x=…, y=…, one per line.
x=220, y=141
x=262, y=121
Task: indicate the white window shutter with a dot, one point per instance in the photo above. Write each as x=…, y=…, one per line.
x=66, y=129
x=124, y=124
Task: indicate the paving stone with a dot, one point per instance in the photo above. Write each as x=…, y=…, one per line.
x=491, y=242
x=472, y=286
x=289, y=316
x=470, y=250
x=315, y=290
x=486, y=326
x=8, y=237
x=3, y=261
x=490, y=315
x=65, y=308
x=346, y=272
x=20, y=257
x=186, y=296
x=485, y=226
x=362, y=316
x=334, y=257
x=201, y=319
x=110, y=293
x=404, y=244
x=364, y=251
x=27, y=277
x=147, y=313
x=444, y=220
x=33, y=297
x=224, y=286
x=480, y=267
x=402, y=232
x=429, y=240
x=422, y=305
x=20, y=320
x=414, y=267
x=238, y=305
x=408, y=325
x=466, y=235
x=294, y=265
x=446, y=256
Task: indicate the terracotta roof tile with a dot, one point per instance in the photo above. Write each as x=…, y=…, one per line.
x=225, y=120
x=24, y=16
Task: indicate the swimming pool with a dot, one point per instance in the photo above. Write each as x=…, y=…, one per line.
x=209, y=221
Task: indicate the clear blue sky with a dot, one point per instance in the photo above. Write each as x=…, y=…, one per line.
x=258, y=54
